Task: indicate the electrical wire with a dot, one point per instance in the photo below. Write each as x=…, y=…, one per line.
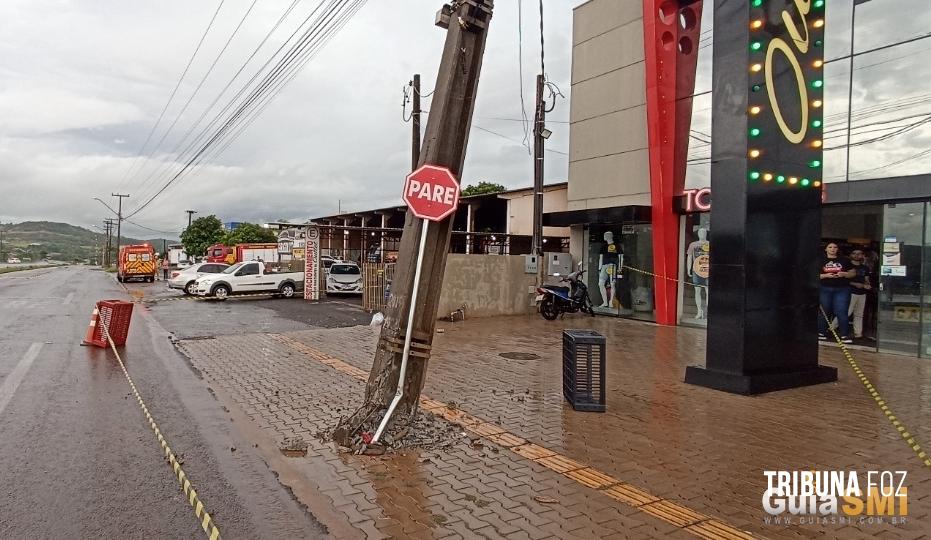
x=480, y=128
x=201, y=83
x=207, y=137
x=306, y=44
x=199, y=138
x=525, y=120
x=171, y=97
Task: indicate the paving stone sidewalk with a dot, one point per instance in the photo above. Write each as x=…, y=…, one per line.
x=699, y=449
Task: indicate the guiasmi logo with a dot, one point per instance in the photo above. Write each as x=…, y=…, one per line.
x=835, y=497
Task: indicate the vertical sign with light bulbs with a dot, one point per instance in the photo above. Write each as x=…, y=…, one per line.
x=766, y=175
x=785, y=102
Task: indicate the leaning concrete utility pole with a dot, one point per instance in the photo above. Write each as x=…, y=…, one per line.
x=445, y=141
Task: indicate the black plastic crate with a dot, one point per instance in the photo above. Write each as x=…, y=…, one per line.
x=583, y=369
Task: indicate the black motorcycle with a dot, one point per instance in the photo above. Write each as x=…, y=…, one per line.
x=553, y=301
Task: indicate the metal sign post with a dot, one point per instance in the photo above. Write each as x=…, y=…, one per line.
x=407, y=335
x=432, y=194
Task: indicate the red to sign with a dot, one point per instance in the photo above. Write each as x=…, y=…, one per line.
x=431, y=192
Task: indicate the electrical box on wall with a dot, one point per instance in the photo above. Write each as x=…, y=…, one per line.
x=558, y=263
x=531, y=265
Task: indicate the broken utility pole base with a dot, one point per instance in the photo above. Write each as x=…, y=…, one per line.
x=444, y=145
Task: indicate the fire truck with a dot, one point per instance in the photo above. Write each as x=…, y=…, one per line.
x=136, y=262
x=219, y=253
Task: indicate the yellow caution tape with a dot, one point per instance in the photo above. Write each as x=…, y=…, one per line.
x=667, y=278
x=905, y=434
x=206, y=522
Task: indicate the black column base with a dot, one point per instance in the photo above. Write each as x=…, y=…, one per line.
x=758, y=383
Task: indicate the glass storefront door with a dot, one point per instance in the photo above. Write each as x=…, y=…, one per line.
x=900, y=291
x=926, y=288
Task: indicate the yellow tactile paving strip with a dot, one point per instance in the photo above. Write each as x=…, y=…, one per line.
x=688, y=520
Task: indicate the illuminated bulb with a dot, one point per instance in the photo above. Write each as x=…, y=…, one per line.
x=819, y=3
x=767, y=177
x=756, y=45
x=816, y=144
x=755, y=109
x=814, y=164
x=816, y=103
x=754, y=153
x=757, y=3
x=755, y=132
x=818, y=24
x=756, y=24
x=805, y=182
x=756, y=67
x=816, y=124
x=780, y=179
x=817, y=83
x=754, y=175
x=817, y=183
x=818, y=63
x=793, y=180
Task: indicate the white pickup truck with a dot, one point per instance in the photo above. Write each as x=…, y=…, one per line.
x=250, y=277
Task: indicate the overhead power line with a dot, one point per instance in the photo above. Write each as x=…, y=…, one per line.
x=314, y=36
x=200, y=84
x=184, y=139
x=171, y=97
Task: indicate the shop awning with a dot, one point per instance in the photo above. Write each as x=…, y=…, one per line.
x=616, y=214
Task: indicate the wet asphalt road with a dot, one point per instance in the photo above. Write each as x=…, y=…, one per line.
x=77, y=459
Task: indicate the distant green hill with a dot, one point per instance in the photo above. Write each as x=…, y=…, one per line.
x=60, y=241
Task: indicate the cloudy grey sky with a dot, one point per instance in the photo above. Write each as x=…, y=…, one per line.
x=83, y=82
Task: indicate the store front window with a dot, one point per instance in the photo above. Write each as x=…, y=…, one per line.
x=694, y=269
x=900, y=292
x=617, y=255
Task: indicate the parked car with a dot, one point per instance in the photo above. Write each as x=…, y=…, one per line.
x=13, y=260
x=344, y=278
x=250, y=277
x=186, y=278
x=187, y=264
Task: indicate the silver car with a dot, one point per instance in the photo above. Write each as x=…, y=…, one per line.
x=344, y=278
x=184, y=278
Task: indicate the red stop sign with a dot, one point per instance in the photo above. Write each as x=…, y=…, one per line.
x=431, y=192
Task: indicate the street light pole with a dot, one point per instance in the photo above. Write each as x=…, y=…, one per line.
x=190, y=215
x=119, y=220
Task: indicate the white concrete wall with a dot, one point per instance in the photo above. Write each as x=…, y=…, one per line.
x=487, y=285
x=608, y=142
x=520, y=211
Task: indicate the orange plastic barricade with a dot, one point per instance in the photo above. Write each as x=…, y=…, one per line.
x=116, y=315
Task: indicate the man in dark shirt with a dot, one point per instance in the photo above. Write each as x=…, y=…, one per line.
x=836, y=272
x=859, y=288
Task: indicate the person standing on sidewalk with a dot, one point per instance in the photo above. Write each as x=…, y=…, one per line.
x=859, y=288
x=165, y=269
x=836, y=272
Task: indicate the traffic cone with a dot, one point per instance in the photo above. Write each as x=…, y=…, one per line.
x=91, y=328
